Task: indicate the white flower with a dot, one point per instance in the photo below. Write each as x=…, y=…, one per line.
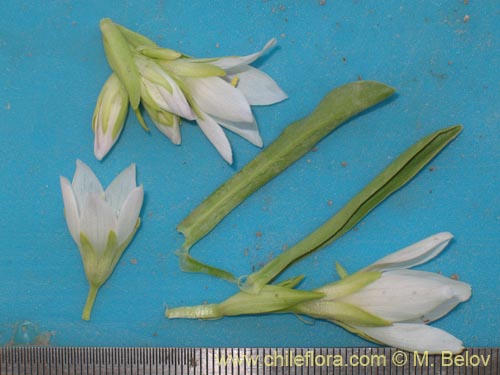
x=388, y=303
x=109, y=115
x=219, y=92
x=101, y=222
x=225, y=100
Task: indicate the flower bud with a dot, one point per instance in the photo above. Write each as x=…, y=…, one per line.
x=109, y=115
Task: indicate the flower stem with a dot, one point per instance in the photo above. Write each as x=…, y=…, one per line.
x=210, y=311
x=94, y=288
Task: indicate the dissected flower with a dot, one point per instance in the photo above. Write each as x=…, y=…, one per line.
x=216, y=92
x=385, y=302
x=101, y=222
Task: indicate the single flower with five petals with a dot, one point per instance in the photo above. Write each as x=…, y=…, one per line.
x=101, y=222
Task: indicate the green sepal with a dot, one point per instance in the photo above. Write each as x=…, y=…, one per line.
x=99, y=266
x=121, y=61
x=341, y=271
x=189, y=264
x=339, y=311
x=271, y=298
x=184, y=68
x=159, y=116
x=136, y=40
x=160, y=53
x=349, y=284
x=291, y=283
x=138, y=114
x=151, y=74
x=115, y=88
x=356, y=332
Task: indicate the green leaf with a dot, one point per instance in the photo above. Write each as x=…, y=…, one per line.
x=297, y=139
x=397, y=174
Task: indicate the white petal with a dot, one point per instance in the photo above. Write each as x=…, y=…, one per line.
x=247, y=130
x=257, y=86
x=410, y=296
x=97, y=220
x=129, y=214
x=119, y=189
x=109, y=116
x=70, y=209
x=413, y=255
x=173, y=132
x=84, y=182
x=175, y=102
x=216, y=136
x=103, y=142
x=235, y=61
x=220, y=99
x=415, y=337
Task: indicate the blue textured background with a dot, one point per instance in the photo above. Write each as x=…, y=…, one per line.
x=446, y=71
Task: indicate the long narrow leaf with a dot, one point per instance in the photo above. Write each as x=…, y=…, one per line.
x=397, y=174
x=297, y=139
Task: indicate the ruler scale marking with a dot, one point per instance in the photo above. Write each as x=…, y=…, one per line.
x=241, y=361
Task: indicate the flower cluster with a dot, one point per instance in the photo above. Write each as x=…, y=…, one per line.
x=214, y=92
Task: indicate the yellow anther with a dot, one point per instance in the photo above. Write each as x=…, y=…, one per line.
x=234, y=81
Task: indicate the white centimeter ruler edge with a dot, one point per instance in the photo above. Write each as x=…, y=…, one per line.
x=243, y=361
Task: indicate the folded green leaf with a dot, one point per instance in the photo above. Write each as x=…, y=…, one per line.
x=397, y=174
x=296, y=140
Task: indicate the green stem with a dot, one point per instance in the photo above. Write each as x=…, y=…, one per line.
x=87, y=310
x=397, y=174
x=296, y=140
x=195, y=312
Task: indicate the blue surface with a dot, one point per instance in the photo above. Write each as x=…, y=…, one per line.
x=446, y=71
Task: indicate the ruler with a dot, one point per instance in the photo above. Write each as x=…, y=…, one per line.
x=243, y=361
